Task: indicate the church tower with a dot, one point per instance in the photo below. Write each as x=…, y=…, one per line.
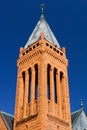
x=42, y=94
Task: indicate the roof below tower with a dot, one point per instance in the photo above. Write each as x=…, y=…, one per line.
x=75, y=115
x=8, y=119
x=42, y=27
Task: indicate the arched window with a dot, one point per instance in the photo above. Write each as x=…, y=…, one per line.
x=36, y=81
x=55, y=86
x=61, y=76
x=30, y=85
x=23, y=78
x=61, y=82
x=48, y=81
x=62, y=94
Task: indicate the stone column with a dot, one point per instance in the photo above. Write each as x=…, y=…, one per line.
x=52, y=89
x=68, y=116
x=32, y=89
x=66, y=97
x=63, y=97
x=26, y=92
x=42, y=89
x=18, y=98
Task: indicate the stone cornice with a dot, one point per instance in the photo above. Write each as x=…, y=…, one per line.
x=32, y=55
x=26, y=119
x=58, y=120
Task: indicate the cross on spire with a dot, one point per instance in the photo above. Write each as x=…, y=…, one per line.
x=81, y=103
x=42, y=8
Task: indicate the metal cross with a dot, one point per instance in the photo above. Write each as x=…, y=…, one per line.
x=42, y=8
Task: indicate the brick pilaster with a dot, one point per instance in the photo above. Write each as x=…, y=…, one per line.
x=26, y=92
x=32, y=89
x=52, y=88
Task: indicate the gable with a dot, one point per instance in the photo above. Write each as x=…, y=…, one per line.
x=81, y=122
x=2, y=124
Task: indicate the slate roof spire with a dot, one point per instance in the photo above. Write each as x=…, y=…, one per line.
x=42, y=27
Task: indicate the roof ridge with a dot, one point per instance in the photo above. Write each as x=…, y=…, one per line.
x=8, y=119
x=4, y=120
x=76, y=111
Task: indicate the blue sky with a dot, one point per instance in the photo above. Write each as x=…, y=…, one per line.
x=67, y=20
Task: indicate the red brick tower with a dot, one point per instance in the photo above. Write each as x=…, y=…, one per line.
x=42, y=95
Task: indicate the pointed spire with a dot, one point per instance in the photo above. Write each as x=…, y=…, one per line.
x=81, y=103
x=42, y=8
x=42, y=27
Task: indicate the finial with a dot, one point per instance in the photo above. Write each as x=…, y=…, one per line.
x=42, y=8
x=42, y=35
x=81, y=105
